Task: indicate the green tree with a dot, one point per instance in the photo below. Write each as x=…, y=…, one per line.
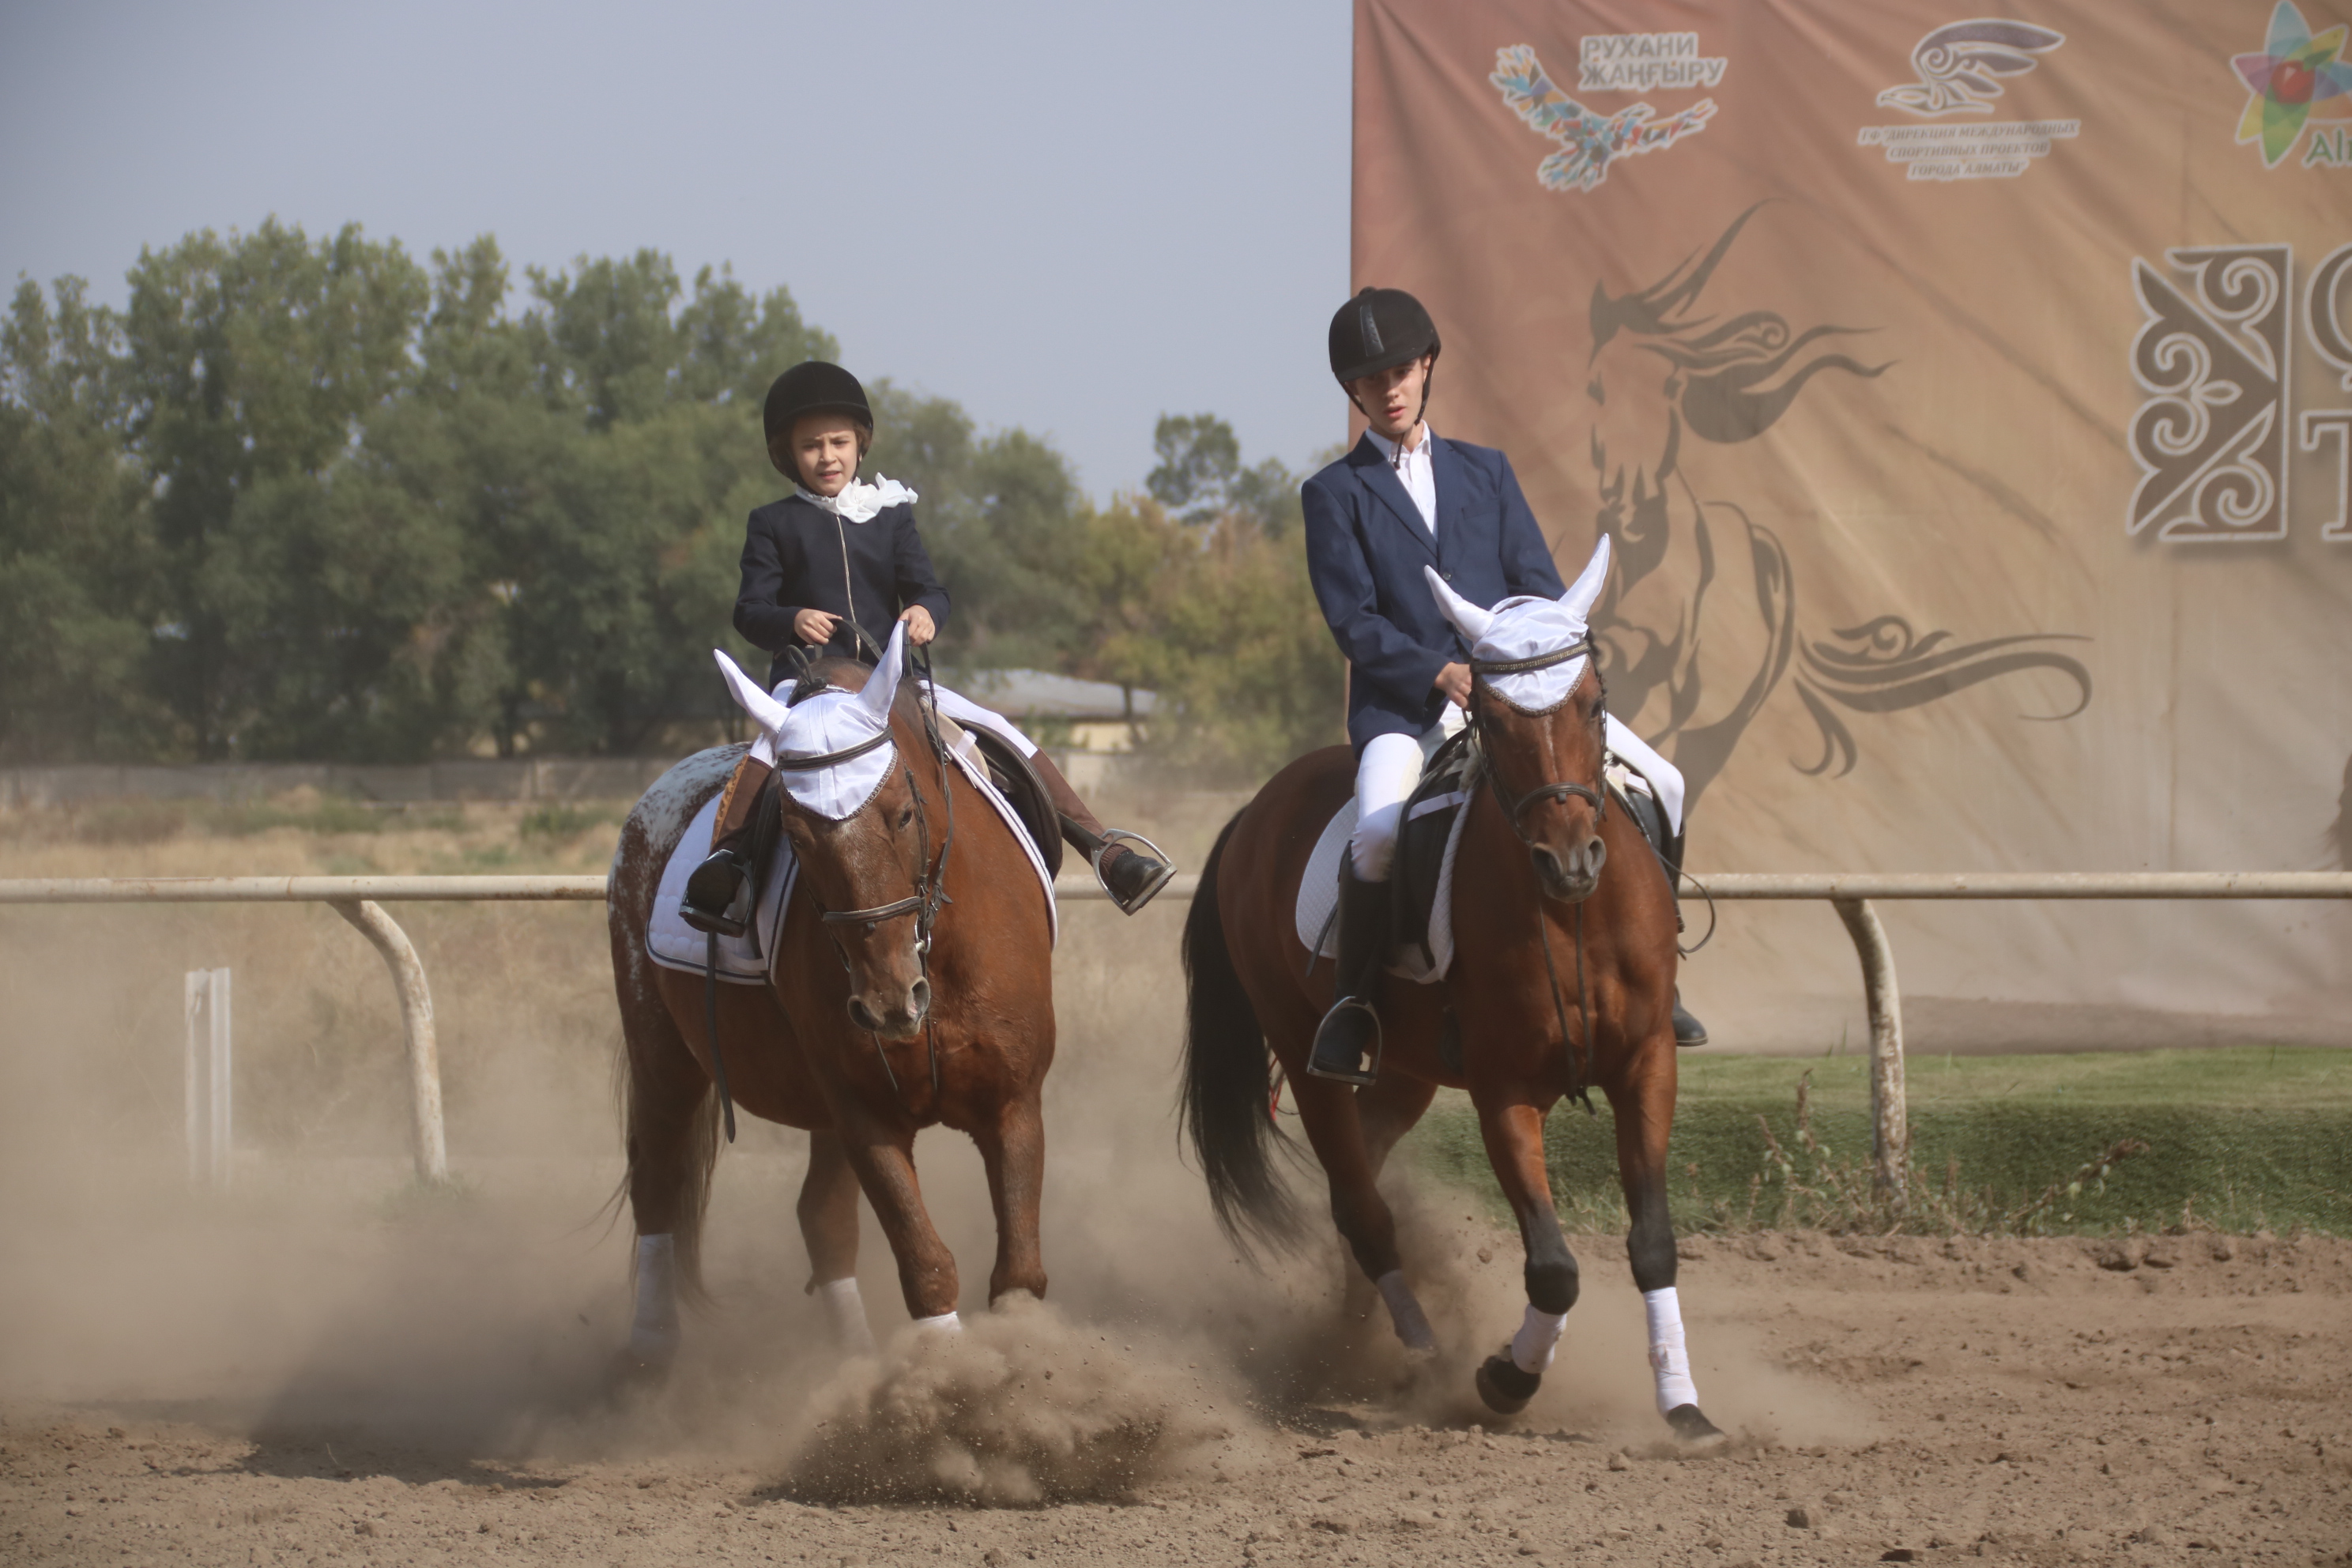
x=1201, y=477
x=77, y=582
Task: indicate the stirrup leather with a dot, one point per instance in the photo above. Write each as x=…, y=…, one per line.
x=717, y=897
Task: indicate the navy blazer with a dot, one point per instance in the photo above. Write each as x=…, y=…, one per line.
x=1366, y=545
x=798, y=557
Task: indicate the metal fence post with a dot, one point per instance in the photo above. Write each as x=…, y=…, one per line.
x=1890, y=1122
x=416, y=1022
x=206, y=1077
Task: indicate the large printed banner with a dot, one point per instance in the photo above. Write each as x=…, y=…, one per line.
x=1968, y=398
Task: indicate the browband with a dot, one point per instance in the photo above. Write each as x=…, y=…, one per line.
x=828, y=758
x=1577, y=649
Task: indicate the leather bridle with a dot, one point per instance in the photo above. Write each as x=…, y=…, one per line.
x=1515, y=809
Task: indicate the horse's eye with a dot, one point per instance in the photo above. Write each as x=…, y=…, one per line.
x=906, y=815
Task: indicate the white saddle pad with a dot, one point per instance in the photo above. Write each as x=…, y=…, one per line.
x=743, y=960
x=1318, y=896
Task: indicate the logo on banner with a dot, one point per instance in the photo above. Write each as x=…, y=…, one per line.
x=1588, y=143
x=1645, y=62
x=1960, y=66
x=2211, y=437
x=2296, y=79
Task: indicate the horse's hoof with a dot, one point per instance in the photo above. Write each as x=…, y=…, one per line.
x=1694, y=1428
x=1507, y=1389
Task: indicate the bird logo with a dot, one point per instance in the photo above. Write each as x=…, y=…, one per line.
x=1588, y=143
x=1958, y=65
x=2296, y=78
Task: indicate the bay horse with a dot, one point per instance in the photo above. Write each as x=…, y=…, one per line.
x=911, y=986
x=1562, y=980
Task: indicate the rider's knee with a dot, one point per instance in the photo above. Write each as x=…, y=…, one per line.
x=1372, y=847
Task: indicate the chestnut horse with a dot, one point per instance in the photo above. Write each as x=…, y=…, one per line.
x=911, y=985
x=1562, y=980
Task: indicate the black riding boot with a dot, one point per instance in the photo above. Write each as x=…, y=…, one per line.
x=1347, y=1043
x=719, y=894
x=1689, y=1030
x=1131, y=877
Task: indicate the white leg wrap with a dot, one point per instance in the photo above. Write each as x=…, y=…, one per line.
x=1539, y=1337
x=1668, y=1359
x=945, y=1323
x=653, y=1332
x=846, y=1309
x=1404, y=1311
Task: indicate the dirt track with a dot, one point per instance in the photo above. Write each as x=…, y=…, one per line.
x=2025, y=1402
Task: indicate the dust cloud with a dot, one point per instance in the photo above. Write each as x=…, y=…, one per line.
x=324, y=1297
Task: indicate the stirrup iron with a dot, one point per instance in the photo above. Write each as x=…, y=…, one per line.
x=732, y=919
x=1150, y=889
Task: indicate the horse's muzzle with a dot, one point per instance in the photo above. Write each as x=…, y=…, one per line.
x=1573, y=880
x=900, y=1019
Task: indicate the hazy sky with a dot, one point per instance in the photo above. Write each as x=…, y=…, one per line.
x=1068, y=217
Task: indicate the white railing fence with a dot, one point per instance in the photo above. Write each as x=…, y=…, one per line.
x=359, y=900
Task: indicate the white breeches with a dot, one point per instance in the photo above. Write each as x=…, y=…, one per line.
x=1385, y=777
x=954, y=705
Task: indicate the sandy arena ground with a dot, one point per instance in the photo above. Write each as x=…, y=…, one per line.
x=2007, y=1401
x=323, y=1365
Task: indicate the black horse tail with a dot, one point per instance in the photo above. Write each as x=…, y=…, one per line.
x=1228, y=1081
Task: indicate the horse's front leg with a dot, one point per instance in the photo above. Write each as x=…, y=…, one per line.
x=1643, y=1106
x=882, y=1152
x=1012, y=1148
x=1334, y=1128
x=1513, y=1130
x=828, y=1216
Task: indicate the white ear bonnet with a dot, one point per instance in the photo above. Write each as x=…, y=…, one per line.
x=1526, y=628
x=831, y=721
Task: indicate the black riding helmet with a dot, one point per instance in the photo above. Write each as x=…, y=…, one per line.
x=812, y=386
x=1379, y=330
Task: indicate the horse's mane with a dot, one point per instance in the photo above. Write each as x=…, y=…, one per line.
x=1724, y=398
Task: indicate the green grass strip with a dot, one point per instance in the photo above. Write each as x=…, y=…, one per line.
x=2242, y=1138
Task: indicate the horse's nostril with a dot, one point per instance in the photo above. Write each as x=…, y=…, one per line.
x=921, y=995
x=862, y=1016
x=1546, y=863
x=1596, y=854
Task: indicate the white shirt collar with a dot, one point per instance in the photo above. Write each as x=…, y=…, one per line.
x=1388, y=448
x=860, y=503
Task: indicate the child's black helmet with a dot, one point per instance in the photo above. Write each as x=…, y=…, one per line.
x=1379, y=330
x=813, y=387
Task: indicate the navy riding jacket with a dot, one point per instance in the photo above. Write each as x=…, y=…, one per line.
x=1366, y=545
x=798, y=557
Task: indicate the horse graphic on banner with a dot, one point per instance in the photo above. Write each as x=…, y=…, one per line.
x=1700, y=625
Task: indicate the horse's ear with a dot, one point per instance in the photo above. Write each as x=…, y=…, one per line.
x=1468, y=618
x=750, y=696
x=1585, y=592
x=882, y=686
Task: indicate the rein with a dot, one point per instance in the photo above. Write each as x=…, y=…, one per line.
x=1515, y=811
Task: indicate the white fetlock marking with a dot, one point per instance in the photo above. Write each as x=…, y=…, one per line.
x=945, y=1323
x=653, y=1332
x=1404, y=1311
x=1539, y=1337
x=846, y=1309
x=1668, y=1358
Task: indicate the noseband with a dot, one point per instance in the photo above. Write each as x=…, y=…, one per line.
x=1514, y=810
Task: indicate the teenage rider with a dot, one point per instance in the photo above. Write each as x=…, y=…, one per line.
x=836, y=555
x=1402, y=498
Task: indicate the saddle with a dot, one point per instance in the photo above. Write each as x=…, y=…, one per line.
x=1018, y=783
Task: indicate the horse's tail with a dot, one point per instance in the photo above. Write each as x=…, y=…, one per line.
x=1228, y=1084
